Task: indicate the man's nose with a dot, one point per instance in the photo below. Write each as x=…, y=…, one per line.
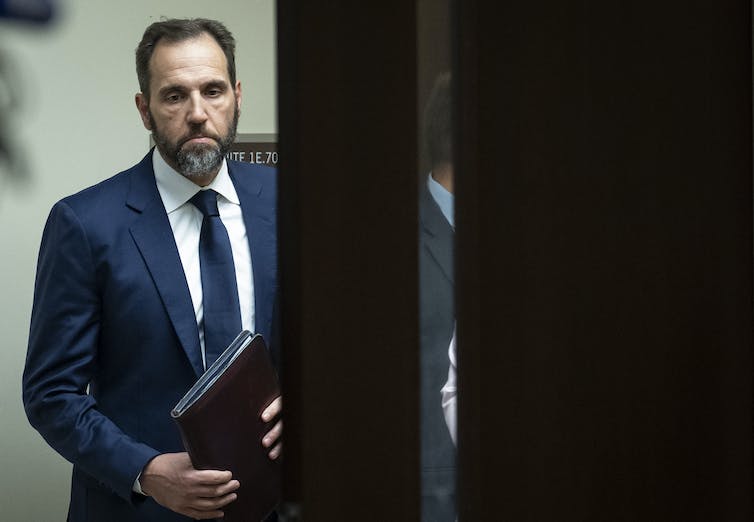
x=197, y=111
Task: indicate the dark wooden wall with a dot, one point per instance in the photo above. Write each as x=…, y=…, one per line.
x=348, y=193
x=604, y=242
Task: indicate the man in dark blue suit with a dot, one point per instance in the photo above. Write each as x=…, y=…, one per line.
x=118, y=331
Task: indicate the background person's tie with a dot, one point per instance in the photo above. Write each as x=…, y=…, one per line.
x=222, y=315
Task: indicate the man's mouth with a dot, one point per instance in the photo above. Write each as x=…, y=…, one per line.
x=199, y=140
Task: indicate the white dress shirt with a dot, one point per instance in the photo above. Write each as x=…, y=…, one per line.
x=450, y=392
x=186, y=221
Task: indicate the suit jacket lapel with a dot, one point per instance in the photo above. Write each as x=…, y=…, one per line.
x=262, y=243
x=154, y=238
x=437, y=234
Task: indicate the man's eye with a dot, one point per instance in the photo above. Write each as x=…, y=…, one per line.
x=214, y=92
x=173, y=98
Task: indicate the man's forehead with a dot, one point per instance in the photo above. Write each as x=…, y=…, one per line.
x=198, y=52
x=186, y=64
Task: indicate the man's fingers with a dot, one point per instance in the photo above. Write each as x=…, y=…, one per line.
x=273, y=435
x=206, y=508
x=213, y=504
x=275, y=452
x=273, y=410
x=214, y=491
x=211, y=477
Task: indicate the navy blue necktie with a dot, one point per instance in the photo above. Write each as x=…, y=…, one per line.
x=222, y=313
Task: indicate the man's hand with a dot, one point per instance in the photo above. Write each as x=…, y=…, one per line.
x=272, y=438
x=174, y=483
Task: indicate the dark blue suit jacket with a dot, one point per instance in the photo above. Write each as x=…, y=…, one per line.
x=112, y=313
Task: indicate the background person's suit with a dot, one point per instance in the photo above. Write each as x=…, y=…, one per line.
x=437, y=317
x=112, y=311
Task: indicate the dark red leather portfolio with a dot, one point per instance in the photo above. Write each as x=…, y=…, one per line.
x=220, y=421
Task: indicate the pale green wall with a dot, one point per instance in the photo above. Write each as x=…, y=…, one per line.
x=78, y=125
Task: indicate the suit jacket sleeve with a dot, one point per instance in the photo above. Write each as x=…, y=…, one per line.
x=62, y=354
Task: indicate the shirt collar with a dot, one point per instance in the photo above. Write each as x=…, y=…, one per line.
x=175, y=190
x=442, y=197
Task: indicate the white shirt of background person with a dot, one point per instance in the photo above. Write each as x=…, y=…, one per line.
x=450, y=391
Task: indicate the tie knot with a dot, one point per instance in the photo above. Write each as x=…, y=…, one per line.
x=206, y=202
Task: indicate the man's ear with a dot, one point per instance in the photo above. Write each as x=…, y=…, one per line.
x=238, y=94
x=142, y=105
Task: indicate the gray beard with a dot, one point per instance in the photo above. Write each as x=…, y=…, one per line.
x=198, y=161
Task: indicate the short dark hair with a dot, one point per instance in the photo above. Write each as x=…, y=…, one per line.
x=178, y=30
x=438, y=139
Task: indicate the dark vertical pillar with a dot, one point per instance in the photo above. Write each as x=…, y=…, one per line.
x=348, y=200
x=604, y=238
